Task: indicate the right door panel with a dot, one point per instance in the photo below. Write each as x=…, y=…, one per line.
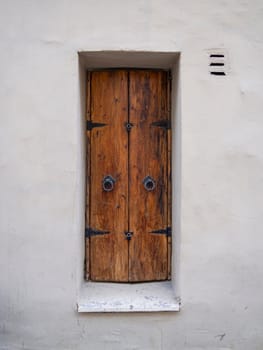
x=148, y=161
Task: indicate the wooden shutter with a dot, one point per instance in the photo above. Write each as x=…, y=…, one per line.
x=148, y=157
x=108, y=156
x=129, y=156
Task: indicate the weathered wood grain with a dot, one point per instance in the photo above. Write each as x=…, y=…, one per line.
x=169, y=175
x=87, y=246
x=109, y=156
x=141, y=97
x=148, y=254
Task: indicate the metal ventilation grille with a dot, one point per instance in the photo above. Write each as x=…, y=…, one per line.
x=217, y=63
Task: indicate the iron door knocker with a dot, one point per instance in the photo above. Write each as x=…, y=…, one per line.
x=149, y=183
x=108, y=183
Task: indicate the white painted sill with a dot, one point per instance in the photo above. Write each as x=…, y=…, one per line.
x=120, y=297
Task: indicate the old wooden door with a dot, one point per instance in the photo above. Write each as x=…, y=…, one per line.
x=128, y=176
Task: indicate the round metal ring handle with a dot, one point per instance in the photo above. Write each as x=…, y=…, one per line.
x=149, y=183
x=108, y=183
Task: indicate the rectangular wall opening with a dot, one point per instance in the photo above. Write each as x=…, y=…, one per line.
x=150, y=296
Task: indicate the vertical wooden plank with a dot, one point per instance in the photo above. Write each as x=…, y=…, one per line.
x=169, y=174
x=148, y=254
x=109, y=156
x=87, y=255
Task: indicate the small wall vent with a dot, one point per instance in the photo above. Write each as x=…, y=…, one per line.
x=217, y=63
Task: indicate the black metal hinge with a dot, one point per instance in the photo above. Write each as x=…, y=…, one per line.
x=165, y=124
x=91, y=125
x=166, y=231
x=91, y=232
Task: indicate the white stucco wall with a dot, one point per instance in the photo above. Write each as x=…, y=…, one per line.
x=41, y=177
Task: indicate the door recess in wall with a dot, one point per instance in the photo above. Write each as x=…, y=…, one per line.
x=128, y=212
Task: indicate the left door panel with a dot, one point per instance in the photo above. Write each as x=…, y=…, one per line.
x=108, y=157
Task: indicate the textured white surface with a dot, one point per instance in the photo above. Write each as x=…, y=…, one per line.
x=119, y=297
x=42, y=166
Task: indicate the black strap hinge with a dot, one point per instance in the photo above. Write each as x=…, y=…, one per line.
x=91, y=125
x=166, y=231
x=165, y=124
x=91, y=232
